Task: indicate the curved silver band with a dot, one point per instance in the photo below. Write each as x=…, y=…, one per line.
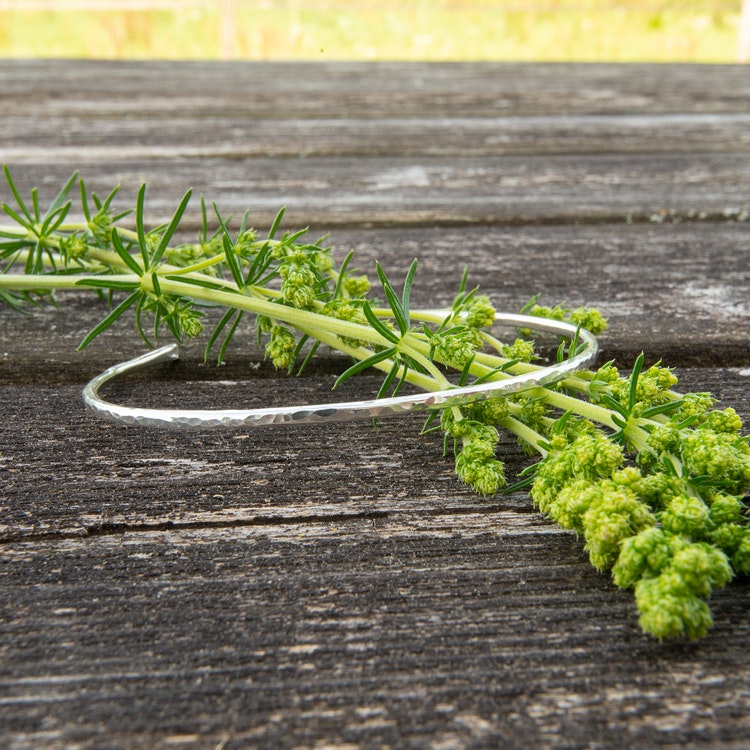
x=342, y=411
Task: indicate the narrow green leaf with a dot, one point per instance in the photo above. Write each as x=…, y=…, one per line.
x=205, y=283
x=431, y=417
x=530, y=304
x=54, y=219
x=406, y=291
x=663, y=409
x=228, y=317
x=214, y=337
x=16, y=195
x=140, y=226
x=291, y=239
x=106, y=282
x=276, y=222
x=561, y=352
x=308, y=358
x=342, y=274
x=393, y=301
x=232, y=262
x=15, y=301
x=389, y=378
x=108, y=200
x=364, y=364
x=229, y=336
x=614, y=405
x=171, y=228
x=139, y=322
x=29, y=224
x=155, y=283
x=109, y=319
x=35, y=204
x=465, y=372
x=634, y=375
x=402, y=380
x=124, y=255
x=62, y=197
x=84, y=200
x=378, y=324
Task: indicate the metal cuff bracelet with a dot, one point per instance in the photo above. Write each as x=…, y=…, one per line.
x=342, y=411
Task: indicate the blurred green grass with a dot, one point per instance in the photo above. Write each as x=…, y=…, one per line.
x=544, y=30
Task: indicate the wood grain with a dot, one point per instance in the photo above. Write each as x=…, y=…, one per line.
x=338, y=587
x=63, y=473
x=357, y=634
x=424, y=191
x=391, y=143
x=375, y=90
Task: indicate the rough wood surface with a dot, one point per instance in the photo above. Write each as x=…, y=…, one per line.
x=392, y=144
x=337, y=587
x=92, y=478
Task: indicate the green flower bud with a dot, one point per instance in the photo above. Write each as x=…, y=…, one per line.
x=725, y=509
x=728, y=537
x=645, y=554
x=720, y=456
x=741, y=556
x=571, y=503
x=481, y=313
x=280, y=348
x=244, y=247
x=520, y=349
x=701, y=568
x=668, y=609
x=490, y=411
x=612, y=517
x=73, y=247
x=457, y=346
x=694, y=405
x=301, y=297
x=190, y=323
x=590, y=319
x=726, y=420
x=687, y=516
x=664, y=439
x=356, y=286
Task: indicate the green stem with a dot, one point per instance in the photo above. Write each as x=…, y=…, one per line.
x=526, y=433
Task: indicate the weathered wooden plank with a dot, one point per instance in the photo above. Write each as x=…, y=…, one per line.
x=64, y=473
x=422, y=190
x=372, y=90
x=177, y=135
x=337, y=586
x=366, y=634
x=678, y=292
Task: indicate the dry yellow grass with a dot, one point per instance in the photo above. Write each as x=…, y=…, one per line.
x=560, y=30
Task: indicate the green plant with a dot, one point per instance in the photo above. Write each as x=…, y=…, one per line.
x=652, y=479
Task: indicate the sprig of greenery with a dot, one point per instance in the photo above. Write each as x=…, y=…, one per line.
x=652, y=479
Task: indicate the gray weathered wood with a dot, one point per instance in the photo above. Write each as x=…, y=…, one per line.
x=423, y=190
x=337, y=586
x=362, y=633
x=374, y=90
x=390, y=143
x=64, y=473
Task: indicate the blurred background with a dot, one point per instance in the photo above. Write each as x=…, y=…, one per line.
x=544, y=30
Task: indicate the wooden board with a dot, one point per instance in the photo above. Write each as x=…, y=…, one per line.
x=337, y=587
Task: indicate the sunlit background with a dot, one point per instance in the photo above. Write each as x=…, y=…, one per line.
x=554, y=30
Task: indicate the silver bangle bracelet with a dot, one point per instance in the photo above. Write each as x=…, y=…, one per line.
x=342, y=411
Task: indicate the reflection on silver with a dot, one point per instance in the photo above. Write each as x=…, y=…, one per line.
x=342, y=411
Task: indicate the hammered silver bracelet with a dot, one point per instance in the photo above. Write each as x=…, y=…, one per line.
x=348, y=410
